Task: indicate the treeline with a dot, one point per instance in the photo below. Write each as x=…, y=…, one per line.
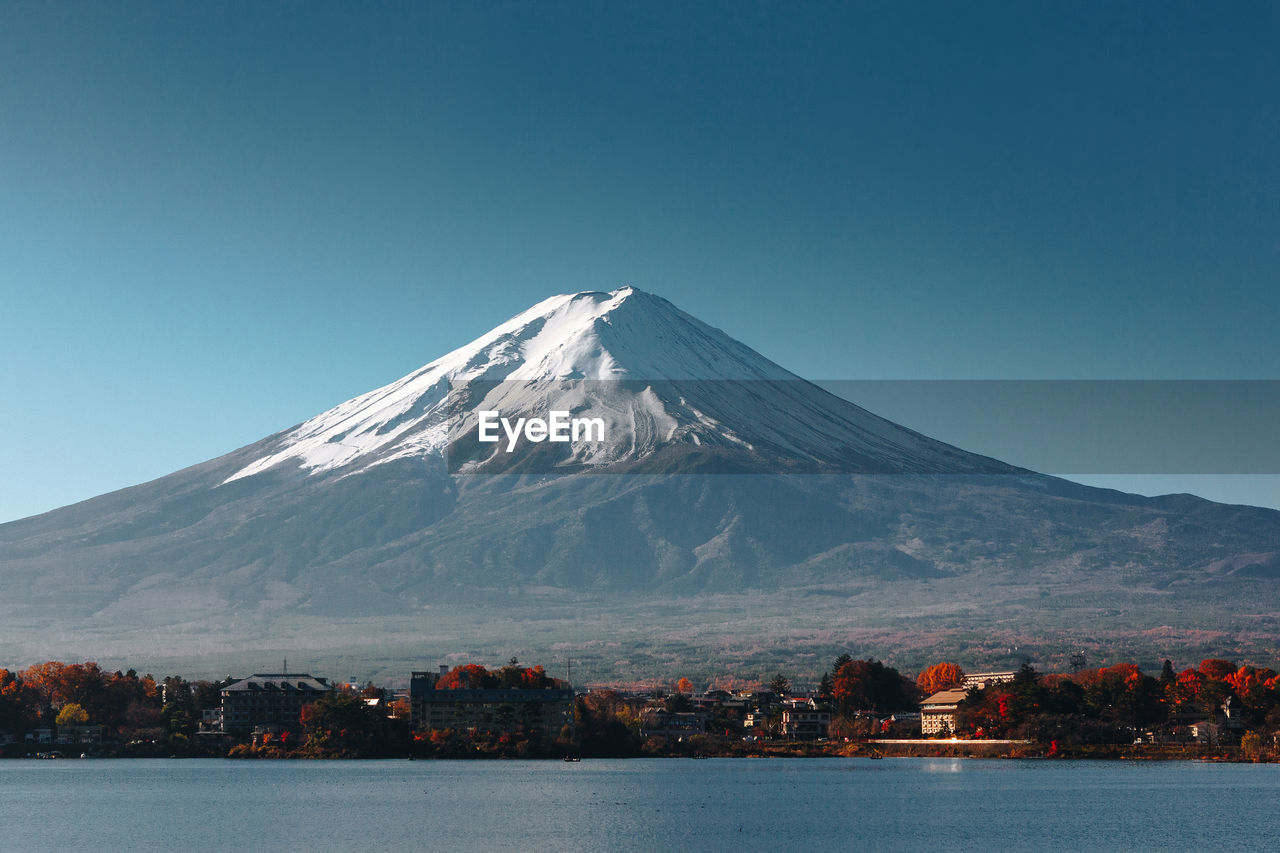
x=1226, y=703
x=141, y=714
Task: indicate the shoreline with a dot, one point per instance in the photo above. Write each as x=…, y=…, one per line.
x=869, y=749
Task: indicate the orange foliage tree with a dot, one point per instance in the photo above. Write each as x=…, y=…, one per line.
x=940, y=676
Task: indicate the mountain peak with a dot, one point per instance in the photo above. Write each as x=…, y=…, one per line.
x=624, y=334
x=656, y=376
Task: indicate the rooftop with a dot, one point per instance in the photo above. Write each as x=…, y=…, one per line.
x=284, y=681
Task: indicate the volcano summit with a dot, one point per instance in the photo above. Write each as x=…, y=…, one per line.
x=728, y=509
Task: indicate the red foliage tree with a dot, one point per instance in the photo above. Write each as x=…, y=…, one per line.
x=468, y=677
x=534, y=678
x=1216, y=668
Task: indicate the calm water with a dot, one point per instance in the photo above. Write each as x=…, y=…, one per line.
x=674, y=804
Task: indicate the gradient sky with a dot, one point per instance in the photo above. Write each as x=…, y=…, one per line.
x=218, y=219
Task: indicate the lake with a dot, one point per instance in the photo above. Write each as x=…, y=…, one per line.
x=640, y=804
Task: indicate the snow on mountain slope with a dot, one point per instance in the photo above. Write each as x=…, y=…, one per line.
x=653, y=374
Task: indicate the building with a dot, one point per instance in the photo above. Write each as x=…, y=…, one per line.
x=488, y=709
x=803, y=720
x=269, y=699
x=983, y=680
x=938, y=713
x=82, y=734
x=674, y=725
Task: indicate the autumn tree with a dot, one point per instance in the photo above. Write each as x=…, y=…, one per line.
x=536, y=678
x=473, y=676
x=684, y=685
x=869, y=685
x=1216, y=668
x=940, y=676
x=44, y=680
x=470, y=676
x=72, y=714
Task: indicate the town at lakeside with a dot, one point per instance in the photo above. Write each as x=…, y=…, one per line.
x=859, y=707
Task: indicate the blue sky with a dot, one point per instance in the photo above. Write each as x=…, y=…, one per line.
x=219, y=219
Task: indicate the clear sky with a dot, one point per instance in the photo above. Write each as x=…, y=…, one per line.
x=218, y=219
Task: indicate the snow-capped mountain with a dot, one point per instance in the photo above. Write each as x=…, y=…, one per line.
x=653, y=375
x=375, y=531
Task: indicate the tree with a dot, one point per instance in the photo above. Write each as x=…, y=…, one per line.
x=471, y=676
x=510, y=676
x=44, y=680
x=206, y=694
x=72, y=715
x=601, y=726
x=940, y=676
x=1216, y=668
x=870, y=685
x=676, y=703
x=337, y=724
x=684, y=685
x=780, y=684
x=180, y=721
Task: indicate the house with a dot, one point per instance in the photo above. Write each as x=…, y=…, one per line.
x=802, y=719
x=1224, y=725
x=269, y=699
x=211, y=720
x=938, y=712
x=81, y=734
